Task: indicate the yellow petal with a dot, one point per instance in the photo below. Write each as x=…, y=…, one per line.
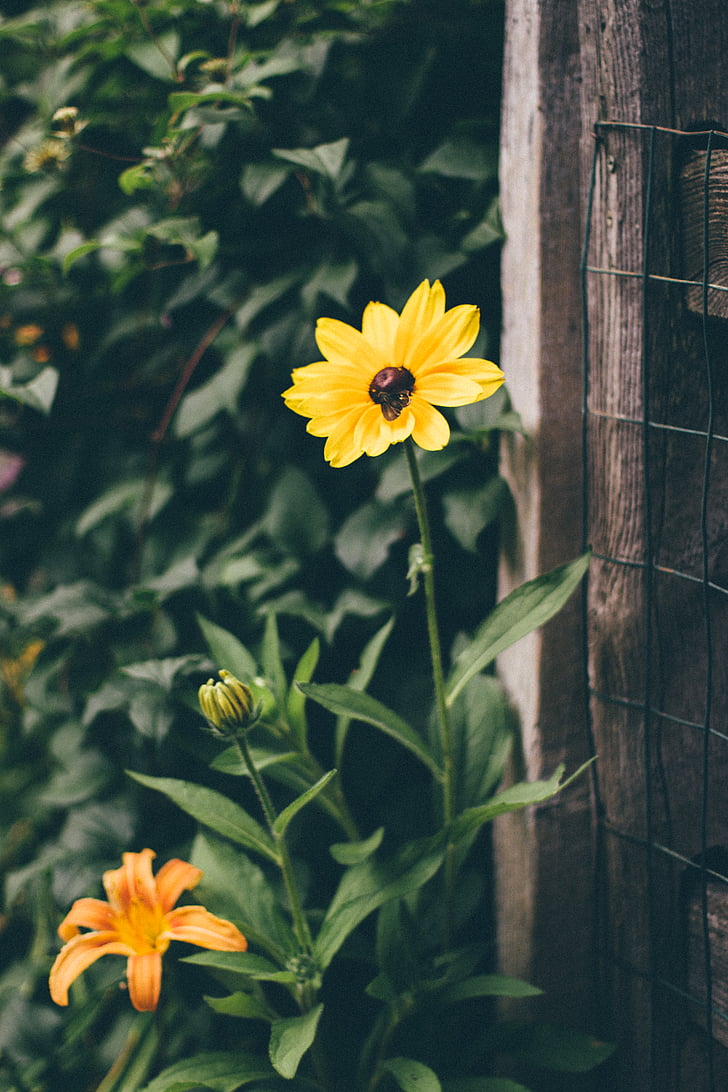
x=173, y=878
x=370, y=435
x=431, y=431
x=446, y=389
x=425, y=306
x=144, y=975
x=340, y=448
x=379, y=326
x=344, y=346
x=78, y=954
x=195, y=925
x=450, y=337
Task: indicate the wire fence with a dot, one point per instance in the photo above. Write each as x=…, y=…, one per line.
x=655, y=430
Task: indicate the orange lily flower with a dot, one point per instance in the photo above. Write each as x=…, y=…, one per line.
x=138, y=921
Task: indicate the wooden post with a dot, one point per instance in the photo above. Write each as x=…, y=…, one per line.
x=569, y=66
x=544, y=857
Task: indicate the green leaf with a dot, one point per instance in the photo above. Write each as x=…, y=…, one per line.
x=352, y=703
x=362, y=544
x=486, y=985
x=350, y=853
x=246, y=964
x=522, y=795
x=79, y=252
x=365, y=887
x=219, y=1070
x=235, y=887
x=213, y=810
x=259, y=181
x=458, y=157
x=412, y=1076
x=227, y=651
x=281, y=823
x=483, y=728
x=179, y=101
x=296, y=700
x=360, y=678
x=525, y=609
x=290, y=1038
x=561, y=1049
x=246, y=1006
x=138, y=177
x=218, y=395
x=156, y=57
x=470, y=511
x=325, y=159
x=271, y=658
x=297, y=519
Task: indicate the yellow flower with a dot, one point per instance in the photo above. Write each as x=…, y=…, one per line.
x=138, y=921
x=377, y=387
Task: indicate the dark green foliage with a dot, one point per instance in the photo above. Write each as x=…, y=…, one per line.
x=234, y=171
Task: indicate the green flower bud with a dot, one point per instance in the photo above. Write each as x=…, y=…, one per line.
x=227, y=705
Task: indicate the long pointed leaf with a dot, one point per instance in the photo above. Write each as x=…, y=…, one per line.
x=295, y=701
x=360, y=679
x=352, y=703
x=514, y=798
x=295, y=806
x=213, y=810
x=525, y=609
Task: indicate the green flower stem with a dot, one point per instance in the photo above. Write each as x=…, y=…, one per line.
x=438, y=677
x=300, y=925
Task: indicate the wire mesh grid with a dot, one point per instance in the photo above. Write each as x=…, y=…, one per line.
x=655, y=313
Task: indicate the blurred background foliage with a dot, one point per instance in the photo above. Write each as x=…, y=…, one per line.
x=185, y=186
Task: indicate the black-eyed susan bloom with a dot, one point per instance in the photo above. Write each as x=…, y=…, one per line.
x=380, y=385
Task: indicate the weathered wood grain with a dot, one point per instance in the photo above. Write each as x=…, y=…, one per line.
x=568, y=67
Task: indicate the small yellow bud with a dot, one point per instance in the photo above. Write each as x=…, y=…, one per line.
x=227, y=705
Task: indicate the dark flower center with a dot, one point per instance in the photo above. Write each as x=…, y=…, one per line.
x=392, y=389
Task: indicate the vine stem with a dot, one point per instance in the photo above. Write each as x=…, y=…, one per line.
x=438, y=678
